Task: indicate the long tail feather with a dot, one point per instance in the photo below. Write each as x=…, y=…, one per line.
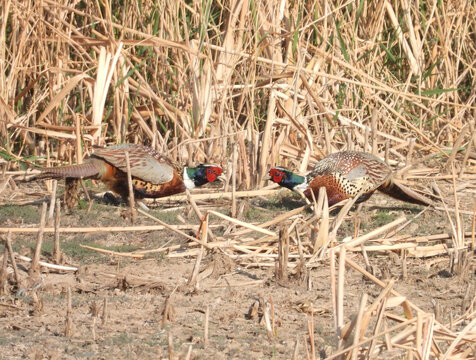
x=399, y=191
x=69, y=171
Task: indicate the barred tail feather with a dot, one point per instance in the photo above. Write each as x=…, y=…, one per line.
x=69, y=171
x=401, y=192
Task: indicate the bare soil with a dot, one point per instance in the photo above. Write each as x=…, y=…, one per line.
x=153, y=312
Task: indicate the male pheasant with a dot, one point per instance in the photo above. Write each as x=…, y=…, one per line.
x=153, y=174
x=344, y=174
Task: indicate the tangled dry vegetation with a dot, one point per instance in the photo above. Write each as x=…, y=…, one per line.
x=250, y=85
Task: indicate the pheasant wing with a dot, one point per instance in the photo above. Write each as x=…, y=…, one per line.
x=356, y=165
x=146, y=163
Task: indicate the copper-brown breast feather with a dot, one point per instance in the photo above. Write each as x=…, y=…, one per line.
x=333, y=190
x=148, y=189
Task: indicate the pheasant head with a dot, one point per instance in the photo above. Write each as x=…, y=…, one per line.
x=201, y=175
x=288, y=179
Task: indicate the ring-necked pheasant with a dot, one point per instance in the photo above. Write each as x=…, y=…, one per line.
x=344, y=174
x=153, y=174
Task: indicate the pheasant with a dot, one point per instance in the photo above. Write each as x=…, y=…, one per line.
x=153, y=174
x=344, y=174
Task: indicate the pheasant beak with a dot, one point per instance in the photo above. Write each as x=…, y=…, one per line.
x=266, y=177
x=221, y=178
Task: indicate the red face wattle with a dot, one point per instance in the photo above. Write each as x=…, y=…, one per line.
x=213, y=172
x=276, y=175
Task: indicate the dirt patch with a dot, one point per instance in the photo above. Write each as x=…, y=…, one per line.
x=151, y=310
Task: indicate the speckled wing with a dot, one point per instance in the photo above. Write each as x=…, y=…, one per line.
x=146, y=163
x=377, y=170
x=353, y=165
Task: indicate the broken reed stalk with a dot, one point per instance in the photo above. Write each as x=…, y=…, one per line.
x=388, y=340
x=56, y=247
x=174, y=229
x=86, y=193
x=48, y=265
x=227, y=195
x=68, y=329
x=131, y=190
x=408, y=160
x=52, y=201
x=199, y=213
x=114, y=253
x=402, y=339
x=310, y=329
x=296, y=349
x=472, y=139
x=365, y=256
x=205, y=331
x=267, y=320
x=283, y=252
x=276, y=220
x=95, y=229
x=473, y=227
x=322, y=212
x=233, y=181
x=359, y=329
x=373, y=337
x=171, y=346
x=407, y=305
x=332, y=265
x=242, y=223
x=378, y=324
x=317, y=211
x=361, y=239
x=273, y=322
x=418, y=332
x=340, y=296
x=8, y=244
x=337, y=222
x=349, y=327
x=189, y=353
x=34, y=268
x=404, y=265
x=428, y=337
x=93, y=329
x=470, y=327
x=79, y=149
x=4, y=273
x=308, y=356
x=459, y=235
x=193, y=281
x=456, y=147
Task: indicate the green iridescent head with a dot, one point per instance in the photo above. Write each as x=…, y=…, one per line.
x=287, y=178
x=201, y=175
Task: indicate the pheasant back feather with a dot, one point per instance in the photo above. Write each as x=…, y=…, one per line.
x=145, y=163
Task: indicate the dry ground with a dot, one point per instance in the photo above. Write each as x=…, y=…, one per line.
x=137, y=291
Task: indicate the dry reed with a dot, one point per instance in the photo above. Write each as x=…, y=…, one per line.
x=264, y=85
